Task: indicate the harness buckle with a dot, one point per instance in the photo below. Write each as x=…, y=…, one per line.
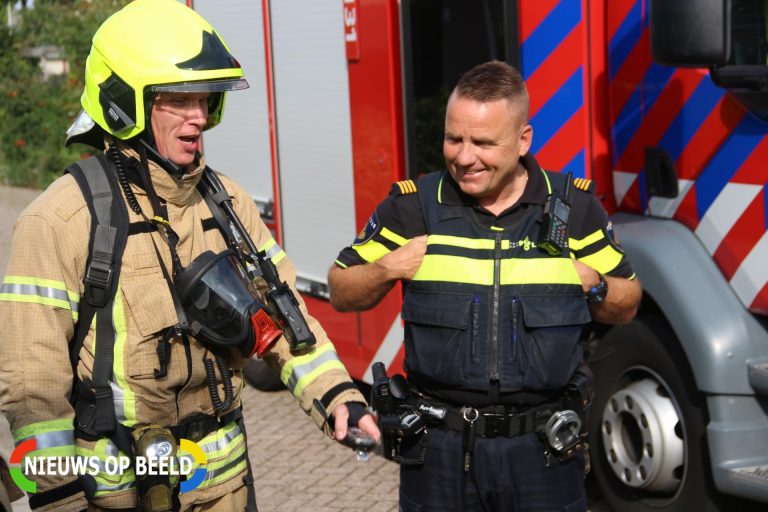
x=98, y=278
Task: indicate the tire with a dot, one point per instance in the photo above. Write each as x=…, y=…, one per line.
x=261, y=376
x=648, y=424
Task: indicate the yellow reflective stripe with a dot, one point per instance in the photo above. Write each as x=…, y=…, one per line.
x=458, y=269
x=300, y=371
x=33, y=290
x=43, y=427
x=124, y=397
x=577, y=245
x=393, y=237
x=217, y=474
x=105, y=482
x=342, y=265
x=56, y=451
x=539, y=271
x=221, y=442
x=273, y=251
x=466, y=243
x=546, y=179
x=604, y=260
x=371, y=250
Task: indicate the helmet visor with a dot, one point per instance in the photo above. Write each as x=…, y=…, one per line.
x=223, y=85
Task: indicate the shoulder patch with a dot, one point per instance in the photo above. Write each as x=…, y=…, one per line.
x=403, y=187
x=371, y=228
x=584, y=184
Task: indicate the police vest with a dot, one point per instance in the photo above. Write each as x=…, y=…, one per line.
x=488, y=305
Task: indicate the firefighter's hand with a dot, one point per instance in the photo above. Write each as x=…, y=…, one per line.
x=402, y=263
x=341, y=422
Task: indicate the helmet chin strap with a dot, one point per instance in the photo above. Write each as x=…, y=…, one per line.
x=170, y=167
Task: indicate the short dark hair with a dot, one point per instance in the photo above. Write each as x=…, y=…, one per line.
x=494, y=80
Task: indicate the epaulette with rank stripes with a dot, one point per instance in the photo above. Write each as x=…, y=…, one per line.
x=403, y=187
x=584, y=184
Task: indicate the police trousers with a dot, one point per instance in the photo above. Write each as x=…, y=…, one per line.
x=508, y=474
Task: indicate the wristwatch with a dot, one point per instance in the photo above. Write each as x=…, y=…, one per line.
x=597, y=293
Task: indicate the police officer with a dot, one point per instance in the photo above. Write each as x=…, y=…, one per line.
x=495, y=300
x=155, y=79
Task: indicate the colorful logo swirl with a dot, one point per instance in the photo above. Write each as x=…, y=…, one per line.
x=30, y=445
x=197, y=453
x=24, y=483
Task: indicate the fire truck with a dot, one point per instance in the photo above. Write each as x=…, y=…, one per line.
x=661, y=103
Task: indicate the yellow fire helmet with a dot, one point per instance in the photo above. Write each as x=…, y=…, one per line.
x=151, y=46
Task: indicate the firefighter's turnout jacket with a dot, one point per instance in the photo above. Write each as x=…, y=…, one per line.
x=39, y=302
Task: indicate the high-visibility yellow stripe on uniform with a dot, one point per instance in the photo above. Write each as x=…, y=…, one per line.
x=604, y=260
x=460, y=269
x=273, y=251
x=300, y=371
x=47, y=292
x=105, y=482
x=465, y=243
x=124, y=397
x=577, y=245
x=54, y=438
x=393, y=237
x=225, y=451
x=371, y=250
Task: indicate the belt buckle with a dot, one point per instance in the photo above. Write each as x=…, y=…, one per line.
x=496, y=424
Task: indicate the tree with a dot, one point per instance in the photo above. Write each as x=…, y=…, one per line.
x=35, y=112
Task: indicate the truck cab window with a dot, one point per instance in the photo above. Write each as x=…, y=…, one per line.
x=441, y=40
x=749, y=46
x=745, y=74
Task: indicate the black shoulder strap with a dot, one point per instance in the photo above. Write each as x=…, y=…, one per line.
x=109, y=232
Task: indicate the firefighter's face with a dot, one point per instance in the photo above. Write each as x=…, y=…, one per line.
x=482, y=146
x=178, y=120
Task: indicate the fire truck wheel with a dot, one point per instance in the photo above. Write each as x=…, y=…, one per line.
x=261, y=376
x=647, y=423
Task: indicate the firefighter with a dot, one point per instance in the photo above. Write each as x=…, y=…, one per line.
x=502, y=265
x=151, y=367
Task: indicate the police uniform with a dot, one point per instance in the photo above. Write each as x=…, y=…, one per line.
x=492, y=325
x=39, y=303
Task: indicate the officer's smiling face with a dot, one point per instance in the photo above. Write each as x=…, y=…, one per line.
x=178, y=120
x=483, y=144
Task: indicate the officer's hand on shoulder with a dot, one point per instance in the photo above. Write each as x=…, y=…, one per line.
x=589, y=276
x=404, y=262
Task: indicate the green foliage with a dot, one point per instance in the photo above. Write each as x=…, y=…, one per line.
x=35, y=113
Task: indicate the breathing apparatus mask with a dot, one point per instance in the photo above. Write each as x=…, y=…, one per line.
x=224, y=309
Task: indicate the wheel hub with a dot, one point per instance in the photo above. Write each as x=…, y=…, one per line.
x=642, y=435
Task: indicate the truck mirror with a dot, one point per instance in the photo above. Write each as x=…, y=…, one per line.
x=693, y=33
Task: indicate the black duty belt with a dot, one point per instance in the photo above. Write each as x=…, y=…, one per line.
x=495, y=421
